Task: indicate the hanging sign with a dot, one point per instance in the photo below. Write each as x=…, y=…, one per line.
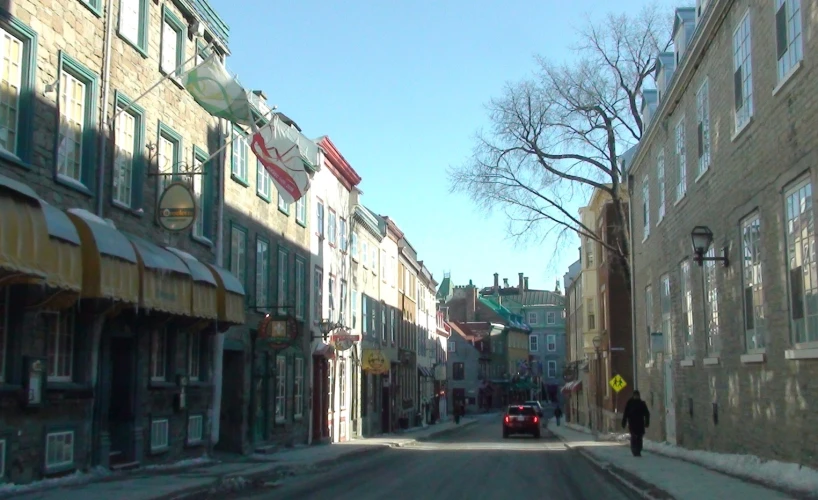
x=278, y=332
x=177, y=208
x=373, y=361
x=343, y=340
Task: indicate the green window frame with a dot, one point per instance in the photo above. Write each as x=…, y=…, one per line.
x=239, y=157
x=301, y=287
x=180, y=28
x=301, y=211
x=262, y=304
x=264, y=182
x=238, y=269
x=24, y=145
x=71, y=67
x=203, y=231
x=282, y=278
x=94, y=6
x=139, y=161
x=140, y=44
x=164, y=131
x=283, y=206
x=202, y=53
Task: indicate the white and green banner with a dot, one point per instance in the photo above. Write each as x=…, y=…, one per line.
x=219, y=93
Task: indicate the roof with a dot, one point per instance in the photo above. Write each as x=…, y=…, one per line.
x=445, y=288
x=472, y=331
x=516, y=321
x=528, y=297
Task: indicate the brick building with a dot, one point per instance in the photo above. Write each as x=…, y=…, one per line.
x=727, y=349
x=107, y=320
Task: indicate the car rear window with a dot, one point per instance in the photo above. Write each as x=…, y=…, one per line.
x=521, y=410
x=532, y=403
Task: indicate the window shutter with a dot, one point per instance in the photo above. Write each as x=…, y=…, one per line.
x=781, y=30
x=737, y=89
x=749, y=319
x=700, y=134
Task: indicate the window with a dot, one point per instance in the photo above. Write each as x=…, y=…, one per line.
x=550, y=318
x=686, y=287
x=354, y=242
x=319, y=218
x=365, y=253
x=263, y=181
x=283, y=205
x=61, y=338
x=374, y=256
x=645, y=209
x=133, y=17
x=533, y=343
x=4, y=336
x=169, y=155
x=331, y=294
x=160, y=434
x=129, y=133
x=383, y=265
x=591, y=312
x=703, y=126
x=552, y=369
x=238, y=255
x=78, y=115
x=2, y=458
x=660, y=181
x=649, y=320
x=755, y=327
x=343, y=307
x=344, y=243
x=342, y=384
x=711, y=292
x=333, y=234
x=318, y=293
x=194, y=356
x=452, y=346
x=681, y=157
x=283, y=280
x=195, y=429
x=589, y=253
x=239, y=158
x=59, y=450
x=354, y=307
x=364, y=317
x=789, y=47
x=666, y=306
x=173, y=44
x=458, y=371
x=301, y=211
x=393, y=325
x=301, y=299
x=298, y=388
x=372, y=319
x=551, y=342
x=801, y=262
x=159, y=355
x=202, y=53
x=262, y=274
x=281, y=388
x=17, y=49
x=383, y=324
x=202, y=227
x=742, y=73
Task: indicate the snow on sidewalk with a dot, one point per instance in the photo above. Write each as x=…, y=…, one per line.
x=683, y=480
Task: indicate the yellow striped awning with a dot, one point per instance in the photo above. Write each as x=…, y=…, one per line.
x=231, y=297
x=165, y=281
x=204, y=296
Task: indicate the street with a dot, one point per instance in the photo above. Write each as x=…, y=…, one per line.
x=475, y=462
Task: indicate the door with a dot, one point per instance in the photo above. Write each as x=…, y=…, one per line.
x=122, y=411
x=670, y=404
x=260, y=400
x=320, y=398
x=385, y=409
x=233, y=406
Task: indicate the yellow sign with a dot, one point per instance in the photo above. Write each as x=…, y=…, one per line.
x=373, y=361
x=617, y=383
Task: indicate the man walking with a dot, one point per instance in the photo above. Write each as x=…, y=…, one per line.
x=557, y=414
x=637, y=418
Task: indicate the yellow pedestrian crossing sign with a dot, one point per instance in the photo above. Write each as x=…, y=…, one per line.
x=617, y=383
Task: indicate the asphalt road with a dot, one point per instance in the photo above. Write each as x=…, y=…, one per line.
x=473, y=463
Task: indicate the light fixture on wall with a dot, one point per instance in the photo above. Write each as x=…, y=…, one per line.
x=701, y=238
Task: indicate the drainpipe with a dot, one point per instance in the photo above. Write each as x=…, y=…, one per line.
x=218, y=241
x=106, y=90
x=633, y=285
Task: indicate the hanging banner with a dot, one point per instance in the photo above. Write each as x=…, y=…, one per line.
x=218, y=93
x=283, y=159
x=373, y=361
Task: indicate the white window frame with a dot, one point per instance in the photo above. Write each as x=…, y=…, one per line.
x=241, y=154
x=283, y=279
x=374, y=256
x=342, y=384
x=283, y=204
x=167, y=152
x=159, y=355
x=195, y=429
x=532, y=318
x=353, y=307
x=552, y=368
x=70, y=153
x=645, y=208
x=281, y=389
x=301, y=210
x=301, y=301
x=742, y=61
x=666, y=310
x=126, y=134
x=332, y=228
x=686, y=293
x=238, y=254
x=755, y=327
x=365, y=254
x=61, y=331
x=533, y=343
x=353, y=251
x=660, y=183
x=790, y=56
x=703, y=127
x=649, y=321
x=130, y=28
x=342, y=317
x=197, y=182
x=170, y=29
x=680, y=138
x=343, y=244
x=262, y=274
x=160, y=434
x=58, y=454
x=551, y=342
x=320, y=215
x=550, y=318
x=194, y=356
x=298, y=388
x=711, y=292
x=14, y=81
x=800, y=213
x=264, y=181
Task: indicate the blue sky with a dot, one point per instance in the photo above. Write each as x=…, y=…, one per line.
x=401, y=88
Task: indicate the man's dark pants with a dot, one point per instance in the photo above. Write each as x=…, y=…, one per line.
x=636, y=443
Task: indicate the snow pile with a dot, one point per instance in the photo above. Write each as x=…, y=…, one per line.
x=783, y=474
x=77, y=478
x=191, y=462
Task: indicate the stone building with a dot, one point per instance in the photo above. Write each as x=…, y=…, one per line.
x=727, y=342
x=107, y=319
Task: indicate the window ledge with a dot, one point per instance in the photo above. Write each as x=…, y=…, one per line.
x=135, y=46
x=645, y=237
x=201, y=240
x=702, y=174
x=59, y=470
x=756, y=357
x=199, y=384
x=687, y=362
x=711, y=361
x=784, y=81
x=680, y=199
x=69, y=387
x=73, y=184
x=285, y=212
x=195, y=444
x=796, y=354
x=125, y=208
x=737, y=132
x=281, y=421
x=301, y=223
x=13, y=158
x=298, y=418
x=160, y=451
x=263, y=196
x=658, y=223
x=162, y=385
x=239, y=180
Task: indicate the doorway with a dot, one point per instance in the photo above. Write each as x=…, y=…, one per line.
x=320, y=398
x=122, y=407
x=261, y=377
x=385, y=413
x=670, y=403
x=232, y=413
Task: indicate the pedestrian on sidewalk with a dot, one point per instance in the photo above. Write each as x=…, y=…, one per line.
x=637, y=418
x=557, y=414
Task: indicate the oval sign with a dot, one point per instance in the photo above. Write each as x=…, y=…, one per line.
x=177, y=208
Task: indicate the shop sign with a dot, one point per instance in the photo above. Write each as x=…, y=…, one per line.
x=344, y=340
x=373, y=361
x=278, y=332
x=177, y=208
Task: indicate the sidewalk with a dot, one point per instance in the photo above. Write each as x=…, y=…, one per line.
x=658, y=476
x=221, y=476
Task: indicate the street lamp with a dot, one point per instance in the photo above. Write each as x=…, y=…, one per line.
x=597, y=341
x=327, y=326
x=702, y=238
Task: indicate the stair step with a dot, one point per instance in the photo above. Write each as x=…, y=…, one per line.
x=125, y=466
x=266, y=449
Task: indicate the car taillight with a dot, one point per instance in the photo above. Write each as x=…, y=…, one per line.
x=536, y=419
x=505, y=419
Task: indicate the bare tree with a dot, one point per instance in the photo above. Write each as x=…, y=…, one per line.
x=561, y=132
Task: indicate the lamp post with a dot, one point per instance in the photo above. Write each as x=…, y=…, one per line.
x=702, y=237
x=597, y=341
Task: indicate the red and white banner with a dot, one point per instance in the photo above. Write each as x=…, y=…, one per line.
x=282, y=158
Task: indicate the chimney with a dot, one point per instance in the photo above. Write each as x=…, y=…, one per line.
x=521, y=282
x=557, y=288
x=496, y=282
x=649, y=98
x=471, y=302
x=525, y=283
x=505, y=282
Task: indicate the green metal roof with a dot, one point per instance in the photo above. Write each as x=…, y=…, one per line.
x=445, y=288
x=513, y=320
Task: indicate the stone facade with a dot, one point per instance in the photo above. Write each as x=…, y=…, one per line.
x=722, y=388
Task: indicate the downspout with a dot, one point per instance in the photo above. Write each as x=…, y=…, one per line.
x=106, y=90
x=633, y=285
x=218, y=241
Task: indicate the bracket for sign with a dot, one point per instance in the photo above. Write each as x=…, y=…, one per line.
x=183, y=169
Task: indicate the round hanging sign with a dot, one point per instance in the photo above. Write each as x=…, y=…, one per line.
x=343, y=340
x=177, y=208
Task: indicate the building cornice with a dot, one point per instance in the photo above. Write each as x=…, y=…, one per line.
x=338, y=165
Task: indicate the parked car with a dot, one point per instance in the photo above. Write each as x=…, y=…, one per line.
x=521, y=419
x=537, y=406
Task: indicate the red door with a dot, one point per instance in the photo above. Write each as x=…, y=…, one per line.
x=320, y=427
